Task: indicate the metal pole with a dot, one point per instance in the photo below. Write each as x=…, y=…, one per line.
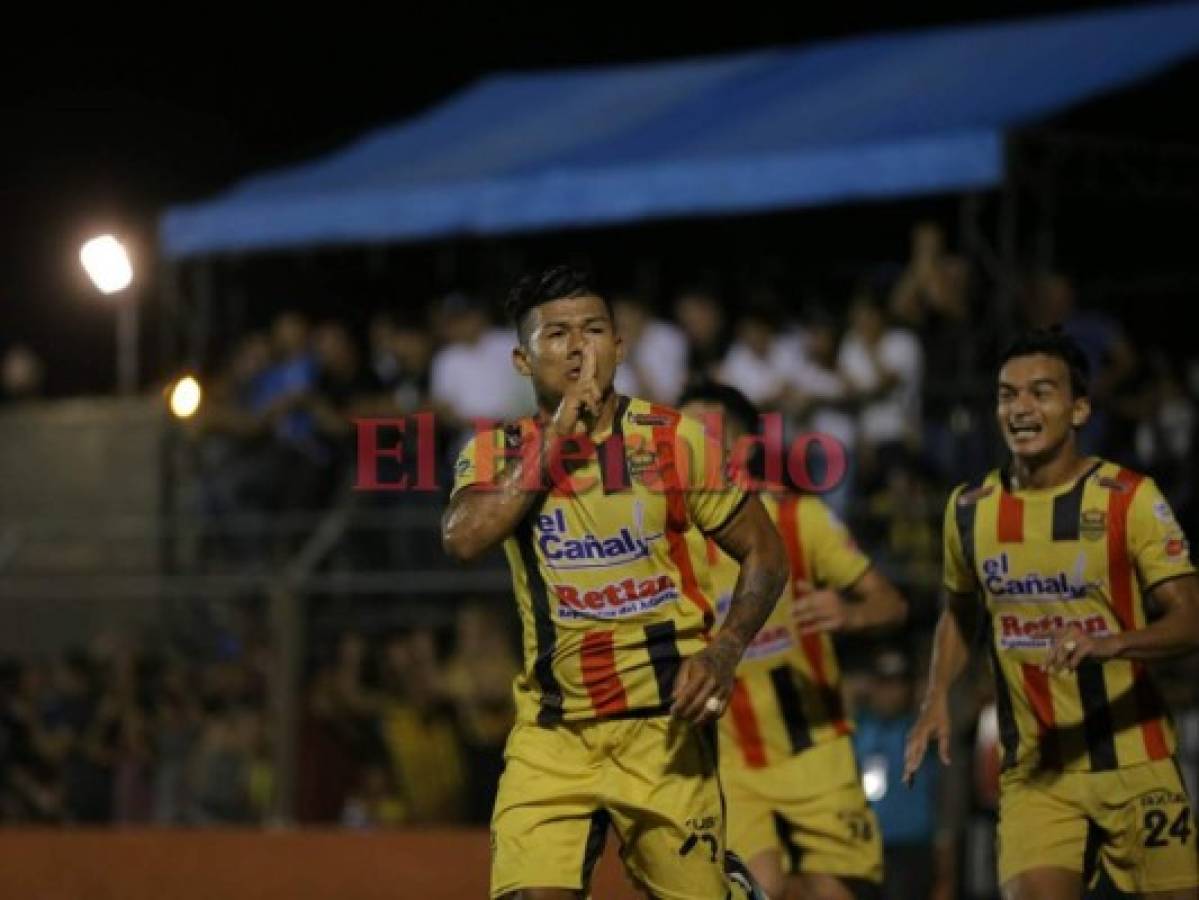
x=127, y=351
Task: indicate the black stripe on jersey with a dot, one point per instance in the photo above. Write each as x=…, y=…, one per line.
x=1067, y=509
x=791, y=706
x=1097, y=716
x=662, y=645
x=784, y=831
x=965, y=515
x=613, y=463
x=1009, y=733
x=543, y=625
x=597, y=835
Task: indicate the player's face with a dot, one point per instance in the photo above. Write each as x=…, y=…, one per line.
x=556, y=335
x=1037, y=410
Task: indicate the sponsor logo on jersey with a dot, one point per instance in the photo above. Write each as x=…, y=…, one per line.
x=1163, y=513
x=1024, y=633
x=1093, y=524
x=1004, y=585
x=616, y=600
x=562, y=550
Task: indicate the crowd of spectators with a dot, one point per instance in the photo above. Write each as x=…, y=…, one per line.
x=407, y=726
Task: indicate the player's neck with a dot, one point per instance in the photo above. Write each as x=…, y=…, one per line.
x=1061, y=468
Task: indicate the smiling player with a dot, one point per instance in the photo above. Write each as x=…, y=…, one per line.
x=1085, y=577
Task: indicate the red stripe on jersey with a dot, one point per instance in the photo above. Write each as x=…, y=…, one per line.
x=1040, y=698
x=1010, y=527
x=1119, y=572
x=812, y=644
x=713, y=553
x=676, y=512
x=745, y=725
x=598, y=659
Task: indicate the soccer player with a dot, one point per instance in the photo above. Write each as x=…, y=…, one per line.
x=796, y=810
x=1085, y=577
x=597, y=504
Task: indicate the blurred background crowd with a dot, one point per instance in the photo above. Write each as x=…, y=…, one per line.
x=402, y=717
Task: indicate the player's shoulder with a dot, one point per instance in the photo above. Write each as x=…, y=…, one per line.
x=972, y=492
x=1111, y=476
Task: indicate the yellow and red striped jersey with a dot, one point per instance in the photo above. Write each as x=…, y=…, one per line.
x=787, y=696
x=610, y=576
x=1084, y=553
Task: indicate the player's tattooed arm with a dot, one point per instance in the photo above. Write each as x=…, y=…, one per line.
x=951, y=652
x=751, y=539
x=1174, y=633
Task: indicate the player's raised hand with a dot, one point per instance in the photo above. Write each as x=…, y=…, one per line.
x=580, y=405
x=932, y=724
x=818, y=611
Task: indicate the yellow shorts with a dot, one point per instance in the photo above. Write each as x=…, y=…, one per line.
x=810, y=808
x=653, y=780
x=1138, y=819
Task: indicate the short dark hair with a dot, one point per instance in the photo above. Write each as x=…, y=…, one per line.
x=1056, y=343
x=560, y=282
x=735, y=403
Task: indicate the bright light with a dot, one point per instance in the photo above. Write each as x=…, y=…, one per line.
x=874, y=778
x=107, y=264
x=185, y=397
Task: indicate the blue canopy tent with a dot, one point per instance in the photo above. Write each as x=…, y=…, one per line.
x=882, y=116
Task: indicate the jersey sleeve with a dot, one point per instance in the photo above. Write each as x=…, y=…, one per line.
x=712, y=500
x=957, y=575
x=835, y=558
x=481, y=460
x=1156, y=543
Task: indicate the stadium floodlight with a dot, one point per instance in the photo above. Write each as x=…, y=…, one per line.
x=107, y=264
x=185, y=397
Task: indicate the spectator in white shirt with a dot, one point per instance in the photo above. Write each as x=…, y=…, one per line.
x=655, y=365
x=884, y=365
x=472, y=376
x=760, y=363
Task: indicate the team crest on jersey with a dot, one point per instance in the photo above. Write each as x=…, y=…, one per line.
x=1177, y=546
x=1093, y=525
x=640, y=461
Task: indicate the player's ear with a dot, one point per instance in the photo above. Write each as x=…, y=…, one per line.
x=520, y=361
x=619, y=342
x=1080, y=412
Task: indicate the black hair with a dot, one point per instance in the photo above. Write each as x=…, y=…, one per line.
x=561, y=282
x=1056, y=343
x=735, y=403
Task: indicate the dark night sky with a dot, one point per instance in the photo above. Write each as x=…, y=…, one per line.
x=100, y=135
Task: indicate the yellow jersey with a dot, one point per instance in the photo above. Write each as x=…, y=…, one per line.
x=609, y=570
x=787, y=695
x=1087, y=554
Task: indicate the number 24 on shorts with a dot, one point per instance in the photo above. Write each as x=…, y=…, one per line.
x=1156, y=822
